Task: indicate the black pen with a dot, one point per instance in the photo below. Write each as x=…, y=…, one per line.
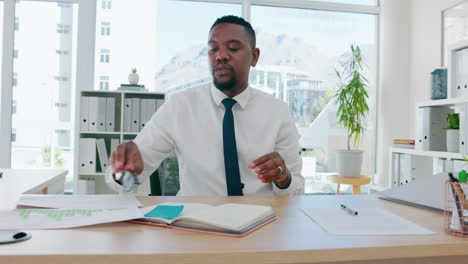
x=349, y=210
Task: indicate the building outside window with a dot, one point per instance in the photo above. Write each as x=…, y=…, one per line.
x=105, y=56
x=16, y=23
x=106, y=4
x=104, y=83
x=105, y=28
x=15, y=79
x=63, y=29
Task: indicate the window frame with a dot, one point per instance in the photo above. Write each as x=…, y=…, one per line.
x=84, y=66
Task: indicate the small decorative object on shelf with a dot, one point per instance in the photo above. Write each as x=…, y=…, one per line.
x=439, y=84
x=453, y=129
x=133, y=77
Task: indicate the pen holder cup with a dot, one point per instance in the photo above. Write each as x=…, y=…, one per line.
x=456, y=209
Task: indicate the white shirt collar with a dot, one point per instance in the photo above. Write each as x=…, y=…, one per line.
x=242, y=98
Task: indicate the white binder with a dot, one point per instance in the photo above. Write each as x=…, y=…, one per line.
x=151, y=108
x=143, y=112
x=110, y=114
x=127, y=119
x=84, y=113
x=395, y=169
x=463, y=132
x=102, y=154
x=93, y=113
x=114, y=144
x=101, y=114
x=87, y=157
x=159, y=103
x=423, y=128
x=135, y=114
x=82, y=186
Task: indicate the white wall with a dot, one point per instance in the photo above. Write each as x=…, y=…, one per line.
x=394, y=78
x=411, y=33
x=426, y=47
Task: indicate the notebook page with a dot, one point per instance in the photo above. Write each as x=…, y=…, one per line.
x=230, y=216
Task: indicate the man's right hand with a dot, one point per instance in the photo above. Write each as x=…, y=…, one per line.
x=127, y=157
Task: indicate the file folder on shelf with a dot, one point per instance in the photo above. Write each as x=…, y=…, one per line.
x=135, y=115
x=87, y=156
x=102, y=153
x=127, y=113
x=110, y=114
x=84, y=113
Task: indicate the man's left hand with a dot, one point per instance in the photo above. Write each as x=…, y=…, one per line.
x=271, y=168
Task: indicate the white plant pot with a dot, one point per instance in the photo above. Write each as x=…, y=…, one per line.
x=453, y=140
x=349, y=162
x=133, y=78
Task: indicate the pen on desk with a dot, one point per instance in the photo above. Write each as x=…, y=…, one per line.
x=349, y=210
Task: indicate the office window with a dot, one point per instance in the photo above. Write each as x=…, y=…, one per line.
x=106, y=4
x=352, y=2
x=105, y=56
x=63, y=29
x=46, y=79
x=15, y=79
x=182, y=60
x=104, y=83
x=105, y=28
x=64, y=5
x=300, y=49
x=16, y=23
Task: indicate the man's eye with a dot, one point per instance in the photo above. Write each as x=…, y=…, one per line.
x=233, y=49
x=213, y=50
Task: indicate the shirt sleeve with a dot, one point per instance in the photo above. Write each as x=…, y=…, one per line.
x=155, y=143
x=287, y=145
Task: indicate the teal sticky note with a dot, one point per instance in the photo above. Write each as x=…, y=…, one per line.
x=165, y=211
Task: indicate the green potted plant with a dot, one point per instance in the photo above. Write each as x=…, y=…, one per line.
x=351, y=99
x=453, y=127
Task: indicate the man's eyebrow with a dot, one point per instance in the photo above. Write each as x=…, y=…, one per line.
x=229, y=41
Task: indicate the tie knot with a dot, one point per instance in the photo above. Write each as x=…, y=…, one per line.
x=229, y=103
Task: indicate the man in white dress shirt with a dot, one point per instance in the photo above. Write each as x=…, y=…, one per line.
x=230, y=139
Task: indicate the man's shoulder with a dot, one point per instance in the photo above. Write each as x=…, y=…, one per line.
x=267, y=98
x=191, y=94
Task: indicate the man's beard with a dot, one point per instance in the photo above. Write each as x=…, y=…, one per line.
x=227, y=85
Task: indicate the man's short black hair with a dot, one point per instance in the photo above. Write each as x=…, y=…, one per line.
x=230, y=19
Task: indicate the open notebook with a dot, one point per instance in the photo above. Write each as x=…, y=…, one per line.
x=227, y=219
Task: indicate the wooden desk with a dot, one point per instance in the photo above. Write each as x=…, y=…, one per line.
x=15, y=182
x=293, y=238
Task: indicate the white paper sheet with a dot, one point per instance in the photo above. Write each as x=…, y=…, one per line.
x=79, y=201
x=63, y=218
x=369, y=221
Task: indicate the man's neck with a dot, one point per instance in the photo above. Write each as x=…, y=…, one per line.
x=237, y=91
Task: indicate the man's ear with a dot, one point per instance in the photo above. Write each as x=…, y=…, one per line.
x=255, y=56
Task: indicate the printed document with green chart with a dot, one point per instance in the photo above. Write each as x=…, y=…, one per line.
x=63, y=218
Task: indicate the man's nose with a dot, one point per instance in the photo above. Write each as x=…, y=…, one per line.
x=222, y=55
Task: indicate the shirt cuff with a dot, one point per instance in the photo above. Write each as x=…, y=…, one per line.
x=296, y=187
